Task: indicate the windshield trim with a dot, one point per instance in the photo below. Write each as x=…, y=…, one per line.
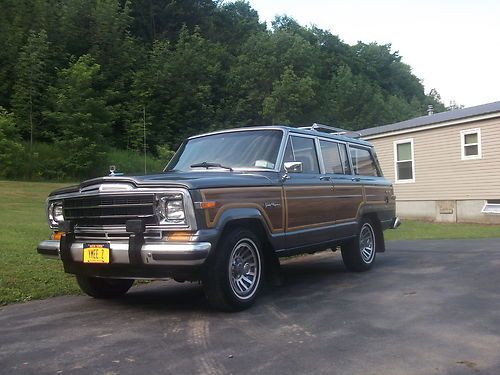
x=279, y=157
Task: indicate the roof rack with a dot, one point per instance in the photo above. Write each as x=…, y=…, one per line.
x=332, y=130
x=325, y=129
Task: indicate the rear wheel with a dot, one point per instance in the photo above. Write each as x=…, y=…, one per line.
x=359, y=254
x=233, y=275
x=103, y=288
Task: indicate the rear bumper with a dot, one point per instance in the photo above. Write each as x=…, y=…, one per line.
x=151, y=253
x=395, y=223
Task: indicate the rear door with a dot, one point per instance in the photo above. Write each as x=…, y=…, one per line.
x=375, y=189
x=347, y=190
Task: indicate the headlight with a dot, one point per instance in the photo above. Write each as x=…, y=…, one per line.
x=55, y=213
x=171, y=209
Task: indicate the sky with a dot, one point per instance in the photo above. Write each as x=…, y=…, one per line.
x=451, y=45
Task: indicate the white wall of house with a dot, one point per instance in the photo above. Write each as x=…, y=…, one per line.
x=455, y=169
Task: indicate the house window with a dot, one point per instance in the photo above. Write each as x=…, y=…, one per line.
x=404, y=161
x=471, y=144
x=492, y=206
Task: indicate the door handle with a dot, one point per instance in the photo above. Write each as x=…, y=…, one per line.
x=325, y=178
x=357, y=179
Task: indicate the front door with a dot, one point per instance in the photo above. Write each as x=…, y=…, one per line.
x=309, y=208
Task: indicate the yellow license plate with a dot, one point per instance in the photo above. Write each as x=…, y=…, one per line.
x=95, y=253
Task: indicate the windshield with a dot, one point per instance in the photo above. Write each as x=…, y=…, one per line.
x=242, y=149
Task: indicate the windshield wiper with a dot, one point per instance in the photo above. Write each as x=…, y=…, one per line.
x=207, y=165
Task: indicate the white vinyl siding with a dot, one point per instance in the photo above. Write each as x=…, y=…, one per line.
x=471, y=144
x=440, y=172
x=404, y=163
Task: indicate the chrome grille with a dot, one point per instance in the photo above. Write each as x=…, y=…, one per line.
x=109, y=209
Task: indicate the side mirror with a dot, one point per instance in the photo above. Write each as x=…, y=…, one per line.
x=293, y=166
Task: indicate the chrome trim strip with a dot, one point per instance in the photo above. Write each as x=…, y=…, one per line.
x=69, y=217
x=111, y=206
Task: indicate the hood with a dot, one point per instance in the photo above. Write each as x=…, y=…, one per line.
x=187, y=180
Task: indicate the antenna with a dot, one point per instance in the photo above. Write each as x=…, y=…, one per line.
x=144, y=126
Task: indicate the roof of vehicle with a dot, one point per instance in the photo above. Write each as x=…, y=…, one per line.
x=336, y=136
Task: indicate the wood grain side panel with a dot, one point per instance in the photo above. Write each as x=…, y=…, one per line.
x=309, y=206
x=347, y=201
x=376, y=194
x=268, y=200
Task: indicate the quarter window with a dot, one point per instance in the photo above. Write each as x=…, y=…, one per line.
x=403, y=156
x=344, y=158
x=303, y=149
x=471, y=144
x=363, y=162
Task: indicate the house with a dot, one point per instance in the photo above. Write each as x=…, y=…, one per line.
x=445, y=166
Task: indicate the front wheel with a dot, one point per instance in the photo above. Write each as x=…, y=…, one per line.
x=103, y=288
x=359, y=254
x=233, y=274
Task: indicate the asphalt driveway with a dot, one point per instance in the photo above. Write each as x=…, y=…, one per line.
x=428, y=307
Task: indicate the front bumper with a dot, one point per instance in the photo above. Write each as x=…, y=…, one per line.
x=151, y=253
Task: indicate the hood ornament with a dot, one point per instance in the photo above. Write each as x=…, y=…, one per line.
x=113, y=172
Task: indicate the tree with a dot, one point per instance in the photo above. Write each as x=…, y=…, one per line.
x=291, y=99
x=80, y=116
x=180, y=88
x=10, y=144
x=32, y=78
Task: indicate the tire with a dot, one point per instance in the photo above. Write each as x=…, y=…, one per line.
x=103, y=288
x=359, y=254
x=233, y=274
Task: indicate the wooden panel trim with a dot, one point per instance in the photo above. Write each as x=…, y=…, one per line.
x=224, y=207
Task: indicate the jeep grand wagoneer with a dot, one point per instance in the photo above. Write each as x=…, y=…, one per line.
x=227, y=205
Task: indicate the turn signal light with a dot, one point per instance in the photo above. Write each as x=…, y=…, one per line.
x=56, y=235
x=207, y=205
x=178, y=236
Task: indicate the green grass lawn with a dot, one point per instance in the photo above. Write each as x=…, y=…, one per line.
x=25, y=275
x=419, y=230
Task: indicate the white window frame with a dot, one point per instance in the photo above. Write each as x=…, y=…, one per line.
x=463, y=133
x=396, y=176
x=491, y=208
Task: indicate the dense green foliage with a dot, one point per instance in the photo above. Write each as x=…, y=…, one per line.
x=87, y=76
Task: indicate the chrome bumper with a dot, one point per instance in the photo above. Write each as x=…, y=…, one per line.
x=152, y=253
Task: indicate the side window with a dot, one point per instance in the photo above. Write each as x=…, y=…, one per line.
x=471, y=144
x=331, y=157
x=363, y=162
x=403, y=160
x=303, y=150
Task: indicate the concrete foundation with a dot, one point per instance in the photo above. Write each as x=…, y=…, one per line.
x=450, y=211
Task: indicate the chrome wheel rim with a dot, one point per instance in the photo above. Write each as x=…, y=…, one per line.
x=367, y=243
x=244, y=269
